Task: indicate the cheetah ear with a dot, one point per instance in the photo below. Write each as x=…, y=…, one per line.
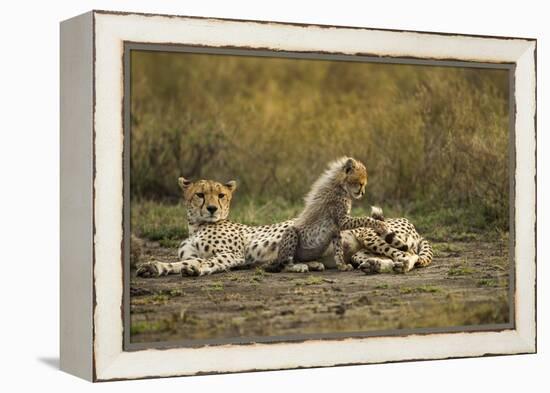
x=184, y=183
x=232, y=185
x=349, y=165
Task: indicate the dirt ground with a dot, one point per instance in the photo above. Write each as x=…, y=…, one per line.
x=467, y=284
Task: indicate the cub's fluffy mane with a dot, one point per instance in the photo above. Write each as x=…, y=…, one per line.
x=322, y=188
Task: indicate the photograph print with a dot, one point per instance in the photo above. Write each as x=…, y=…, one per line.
x=283, y=197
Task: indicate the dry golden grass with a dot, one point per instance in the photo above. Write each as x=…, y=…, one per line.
x=431, y=137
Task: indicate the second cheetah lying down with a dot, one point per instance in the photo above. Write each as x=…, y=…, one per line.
x=366, y=250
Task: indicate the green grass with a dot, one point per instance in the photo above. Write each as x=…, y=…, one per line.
x=215, y=286
x=167, y=223
x=175, y=292
x=310, y=280
x=259, y=272
x=420, y=289
x=441, y=223
x=487, y=283
x=446, y=224
x=149, y=327
x=446, y=247
x=261, y=212
x=460, y=271
x=207, y=116
x=157, y=221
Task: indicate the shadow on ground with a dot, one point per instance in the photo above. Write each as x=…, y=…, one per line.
x=52, y=362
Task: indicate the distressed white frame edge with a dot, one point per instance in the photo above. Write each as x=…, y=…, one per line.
x=76, y=179
x=111, y=362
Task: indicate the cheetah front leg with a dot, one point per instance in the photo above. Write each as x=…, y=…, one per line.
x=218, y=263
x=315, y=266
x=384, y=260
x=339, y=254
x=156, y=269
x=295, y=268
x=370, y=263
x=304, y=267
x=346, y=222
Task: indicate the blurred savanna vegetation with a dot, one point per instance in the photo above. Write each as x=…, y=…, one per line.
x=434, y=139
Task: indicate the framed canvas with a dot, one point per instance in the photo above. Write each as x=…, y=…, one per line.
x=216, y=183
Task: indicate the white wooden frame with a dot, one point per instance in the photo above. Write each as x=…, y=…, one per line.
x=92, y=47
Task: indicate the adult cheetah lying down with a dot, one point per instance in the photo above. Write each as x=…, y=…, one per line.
x=216, y=244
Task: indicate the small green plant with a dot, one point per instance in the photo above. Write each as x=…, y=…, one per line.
x=311, y=280
x=149, y=327
x=420, y=289
x=427, y=289
x=460, y=271
x=160, y=298
x=446, y=247
x=487, y=283
x=215, y=286
x=176, y=292
x=314, y=280
x=169, y=243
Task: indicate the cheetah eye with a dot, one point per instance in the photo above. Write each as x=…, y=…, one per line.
x=200, y=194
x=221, y=196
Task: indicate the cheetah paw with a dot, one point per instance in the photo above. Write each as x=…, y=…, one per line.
x=296, y=268
x=371, y=266
x=406, y=264
x=344, y=267
x=315, y=266
x=151, y=269
x=191, y=267
x=400, y=267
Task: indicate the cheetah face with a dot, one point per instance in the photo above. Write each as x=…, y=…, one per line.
x=207, y=201
x=355, y=179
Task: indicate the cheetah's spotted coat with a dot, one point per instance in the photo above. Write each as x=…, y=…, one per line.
x=216, y=245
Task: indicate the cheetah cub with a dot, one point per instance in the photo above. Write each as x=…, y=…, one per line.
x=326, y=213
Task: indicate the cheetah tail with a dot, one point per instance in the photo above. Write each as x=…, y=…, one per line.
x=425, y=253
x=377, y=213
